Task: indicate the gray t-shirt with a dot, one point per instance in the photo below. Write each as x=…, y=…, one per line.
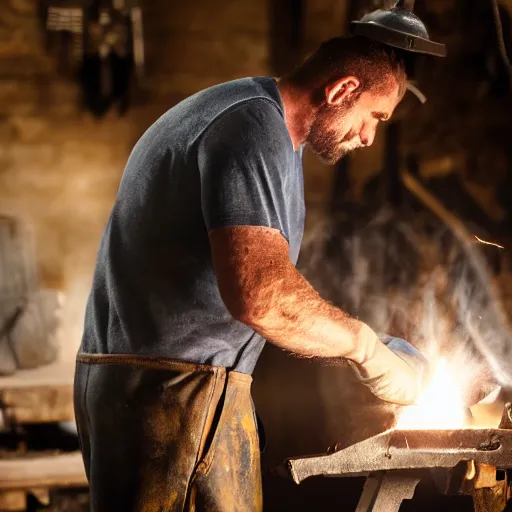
x=222, y=157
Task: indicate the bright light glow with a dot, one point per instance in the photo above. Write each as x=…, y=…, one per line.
x=439, y=407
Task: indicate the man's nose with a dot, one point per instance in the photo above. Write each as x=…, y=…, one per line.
x=367, y=135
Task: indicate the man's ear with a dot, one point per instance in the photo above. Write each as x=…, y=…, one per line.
x=337, y=92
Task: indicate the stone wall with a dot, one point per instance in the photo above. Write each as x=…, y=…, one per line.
x=60, y=166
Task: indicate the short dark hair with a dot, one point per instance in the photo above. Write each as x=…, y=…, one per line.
x=371, y=62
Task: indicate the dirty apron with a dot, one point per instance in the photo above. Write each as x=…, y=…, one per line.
x=162, y=435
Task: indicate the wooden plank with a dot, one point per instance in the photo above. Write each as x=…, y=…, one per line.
x=50, y=471
x=457, y=226
x=37, y=405
x=40, y=395
x=59, y=373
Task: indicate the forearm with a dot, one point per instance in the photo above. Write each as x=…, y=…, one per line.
x=294, y=317
x=291, y=314
x=260, y=287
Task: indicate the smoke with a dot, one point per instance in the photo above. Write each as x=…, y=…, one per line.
x=409, y=276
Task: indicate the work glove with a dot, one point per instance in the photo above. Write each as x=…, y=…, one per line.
x=394, y=372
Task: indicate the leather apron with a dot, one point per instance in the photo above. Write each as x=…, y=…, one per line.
x=162, y=435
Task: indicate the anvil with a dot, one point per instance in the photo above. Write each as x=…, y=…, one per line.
x=395, y=461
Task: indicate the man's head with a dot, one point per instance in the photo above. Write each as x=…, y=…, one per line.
x=352, y=83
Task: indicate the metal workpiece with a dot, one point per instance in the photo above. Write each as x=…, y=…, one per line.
x=408, y=450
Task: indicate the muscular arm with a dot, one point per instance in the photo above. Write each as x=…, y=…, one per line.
x=261, y=288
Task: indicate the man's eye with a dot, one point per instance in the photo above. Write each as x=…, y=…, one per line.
x=380, y=116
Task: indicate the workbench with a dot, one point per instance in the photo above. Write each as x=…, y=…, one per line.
x=41, y=395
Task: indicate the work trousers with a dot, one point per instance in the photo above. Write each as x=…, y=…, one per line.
x=161, y=435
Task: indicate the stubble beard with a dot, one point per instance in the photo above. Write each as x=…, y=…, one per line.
x=325, y=142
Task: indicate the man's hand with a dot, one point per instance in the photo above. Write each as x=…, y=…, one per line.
x=395, y=372
x=407, y=352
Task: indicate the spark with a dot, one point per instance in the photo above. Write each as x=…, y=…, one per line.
x=489, y=243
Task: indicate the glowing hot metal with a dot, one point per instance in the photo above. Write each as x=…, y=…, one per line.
x=440, y=407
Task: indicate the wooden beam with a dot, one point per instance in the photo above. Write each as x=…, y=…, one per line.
x=40, y=395
x=58, y=373
x=458, y=227
x=37, y=405
x=50, y=471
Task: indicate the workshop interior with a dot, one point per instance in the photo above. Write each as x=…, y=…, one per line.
x=412, y=235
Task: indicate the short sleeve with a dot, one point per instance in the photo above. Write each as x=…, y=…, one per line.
x=242, y=159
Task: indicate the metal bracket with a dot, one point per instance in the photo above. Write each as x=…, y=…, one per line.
x=385, y=491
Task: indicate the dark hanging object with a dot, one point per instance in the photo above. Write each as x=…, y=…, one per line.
x=104, y=42
x=399, y=28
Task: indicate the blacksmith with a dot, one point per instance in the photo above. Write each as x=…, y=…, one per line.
x=196, y=269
